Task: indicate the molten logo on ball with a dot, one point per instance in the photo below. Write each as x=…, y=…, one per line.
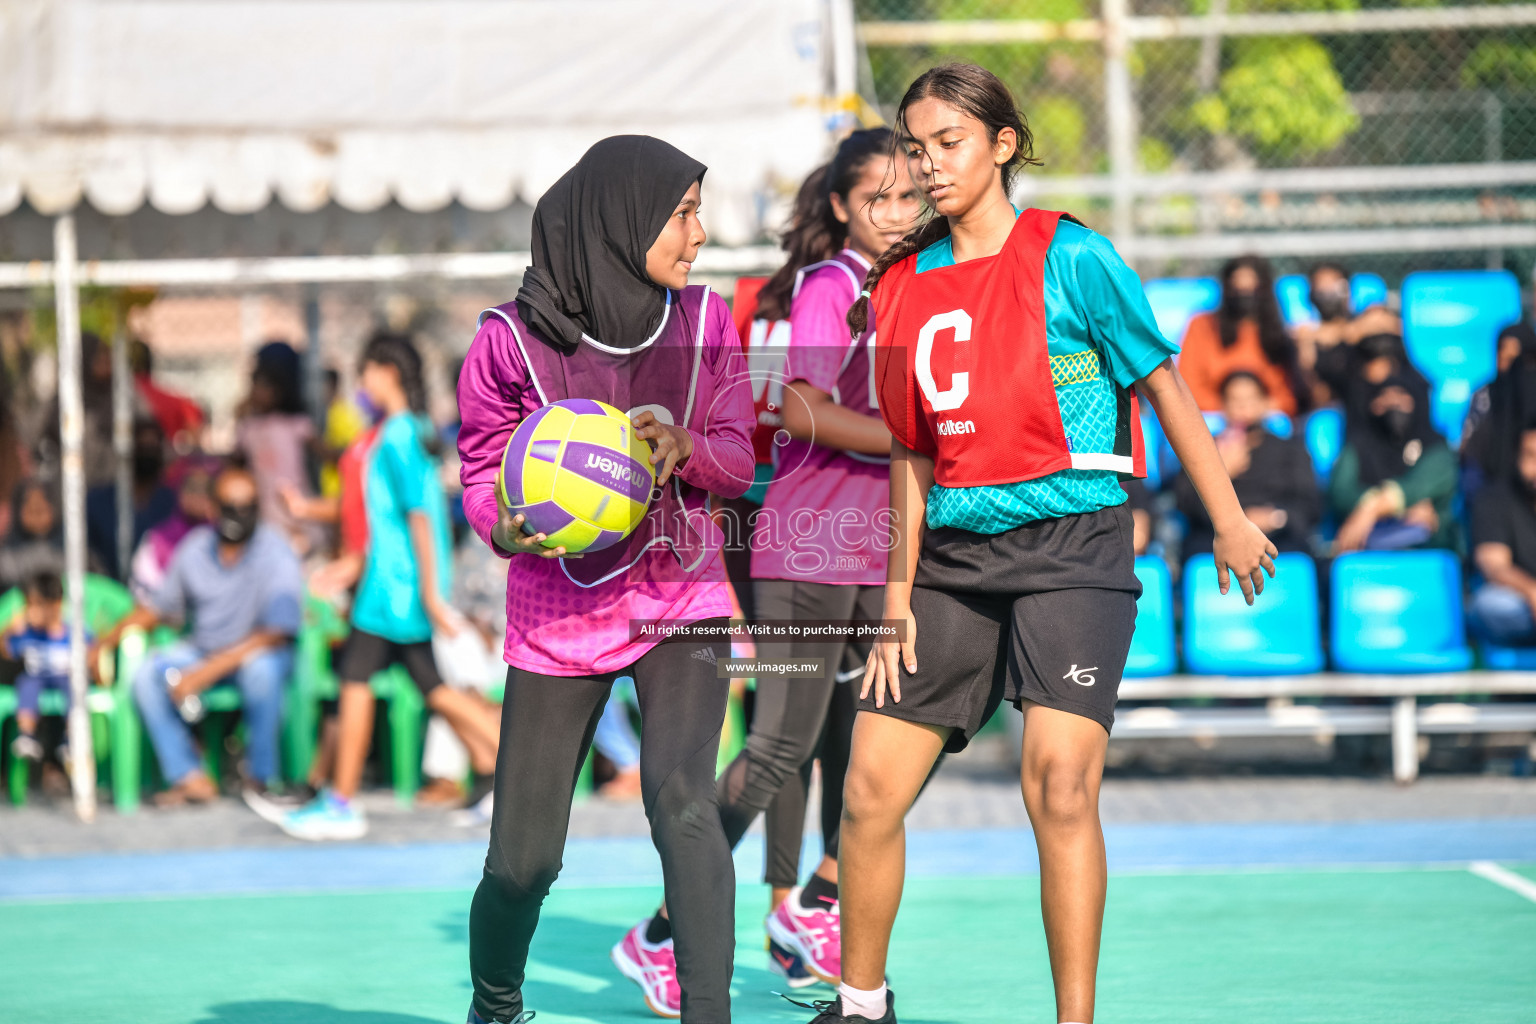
x=578, y=474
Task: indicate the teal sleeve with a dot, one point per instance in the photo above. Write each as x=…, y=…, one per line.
x=405, y=465
x=1119, y=317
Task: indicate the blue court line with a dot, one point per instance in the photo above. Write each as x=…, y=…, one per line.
x=632, y=861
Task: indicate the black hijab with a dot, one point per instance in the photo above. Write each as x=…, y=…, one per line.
x=1386, y=449
x=1511, y=410
x=591, y=232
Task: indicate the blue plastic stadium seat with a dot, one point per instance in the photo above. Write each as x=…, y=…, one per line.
x=1152, y=650
x=1502, y=659
x=1152, y=441
x=1325, y=439
x=1216, y=421
x=1367, y=290
x=1398, y=611
x=1175, y=300
x=1451, y=321
x=1295, y=297
x=1278, y=635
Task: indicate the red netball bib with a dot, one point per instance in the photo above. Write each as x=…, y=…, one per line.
x=964, y=370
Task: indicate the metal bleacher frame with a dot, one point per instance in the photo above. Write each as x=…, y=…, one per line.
x=1401, y=715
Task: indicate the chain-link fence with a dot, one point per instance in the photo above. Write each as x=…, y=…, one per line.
x=1398, y=136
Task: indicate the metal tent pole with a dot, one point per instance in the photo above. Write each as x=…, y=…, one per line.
x=122, y=446
x=71, y=432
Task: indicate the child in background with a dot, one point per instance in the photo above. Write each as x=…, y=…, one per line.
x=402, y=596
x=38, y=638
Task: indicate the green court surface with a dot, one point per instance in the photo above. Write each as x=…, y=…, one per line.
x=1396, y=946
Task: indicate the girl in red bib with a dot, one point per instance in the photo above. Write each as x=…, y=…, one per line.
x=1011, y=351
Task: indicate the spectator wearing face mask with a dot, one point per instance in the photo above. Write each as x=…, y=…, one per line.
x=1273, y=476
x=1504, y=552
x=1501, y=410
x=1245, y=332
x=1324, y=347
x=237, y=584
x=1395, y=478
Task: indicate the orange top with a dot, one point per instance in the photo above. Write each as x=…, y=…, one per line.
x=1205, y=364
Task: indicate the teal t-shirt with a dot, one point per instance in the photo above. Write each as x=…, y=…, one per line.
x=1100, y=333
x=401, y=478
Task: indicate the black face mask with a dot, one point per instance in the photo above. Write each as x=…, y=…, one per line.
x=1243, y=304
x=236, y=523
x=1331, y=305
x=1396, y=423
x=147, y=464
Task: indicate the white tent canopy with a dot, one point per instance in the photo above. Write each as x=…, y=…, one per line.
x=185, y=102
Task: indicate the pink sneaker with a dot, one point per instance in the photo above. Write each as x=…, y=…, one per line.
x=814, y=934
x=653, y=968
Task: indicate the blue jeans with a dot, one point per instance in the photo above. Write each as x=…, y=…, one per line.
x=260, y=679
x=1501, y=616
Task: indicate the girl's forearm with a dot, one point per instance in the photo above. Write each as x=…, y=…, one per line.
x=426, y=557
x=1186, y=429
x=817, y=418
x=911, y=477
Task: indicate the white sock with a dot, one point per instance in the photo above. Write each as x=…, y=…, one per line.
x=870, y=1004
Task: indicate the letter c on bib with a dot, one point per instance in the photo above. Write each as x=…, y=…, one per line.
x=959, y=321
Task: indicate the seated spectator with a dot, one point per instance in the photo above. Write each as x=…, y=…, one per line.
x=1504, y=553
x=1143, y=517
x=193, y=479
x=237, y=584
x=1490, y=440
x=38, y=638
x=1324, y=346
x=275, y=432
x=1395, y=478
x=179, y=417
x=1245, y=332
x=153, y=501
x=1273, y=476
x=36, y=541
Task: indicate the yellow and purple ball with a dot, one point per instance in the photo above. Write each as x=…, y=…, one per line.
x=578, y=474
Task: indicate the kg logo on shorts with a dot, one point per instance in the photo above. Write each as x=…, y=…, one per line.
x=1080, y=676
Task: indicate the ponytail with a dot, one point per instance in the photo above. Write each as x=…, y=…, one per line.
x=397, y=350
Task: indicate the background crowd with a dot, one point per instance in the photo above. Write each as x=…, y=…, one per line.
x=235, y=552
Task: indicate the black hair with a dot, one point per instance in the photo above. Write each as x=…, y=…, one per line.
x=277, y=366
x=1322, y=265
x=979, y=93
x=1248, y=375
x=814, y=233
x=45, y=586
x=387, y=348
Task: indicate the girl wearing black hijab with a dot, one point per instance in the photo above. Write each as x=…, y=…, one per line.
x=1500, y=412
x=1395, y=479
x=606, y=313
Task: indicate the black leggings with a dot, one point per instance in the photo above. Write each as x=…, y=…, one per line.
x=547, y=724
x=790, y=718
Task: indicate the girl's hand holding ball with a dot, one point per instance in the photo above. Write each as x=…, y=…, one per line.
x=671, y=444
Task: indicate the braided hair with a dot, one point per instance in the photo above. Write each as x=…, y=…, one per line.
x=979, y=93
x=386, y=348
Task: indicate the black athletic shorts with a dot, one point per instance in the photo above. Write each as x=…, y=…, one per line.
x=1043, y=613
x=365, y=655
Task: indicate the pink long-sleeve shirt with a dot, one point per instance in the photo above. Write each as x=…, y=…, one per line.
x=555, y=627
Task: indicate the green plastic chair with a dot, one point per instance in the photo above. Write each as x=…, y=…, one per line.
x=314, y=681
x=115, y=730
